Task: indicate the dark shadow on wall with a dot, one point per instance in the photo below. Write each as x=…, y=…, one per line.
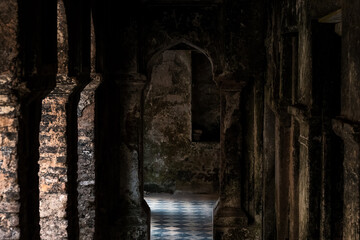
x=179, y=148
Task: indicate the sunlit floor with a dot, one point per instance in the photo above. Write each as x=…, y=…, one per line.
x=181, y=217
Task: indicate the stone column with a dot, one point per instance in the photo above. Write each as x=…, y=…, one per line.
x=268, y=199
x=9, y=125
x=134, y=224
x=53, y=148
x=86, y=159
x=9, y=188
x=350, y=133
x=282, y=156
x=230, y=221
x=309, y=173
x=120, y=212
x=294, y=181
x=52, y=161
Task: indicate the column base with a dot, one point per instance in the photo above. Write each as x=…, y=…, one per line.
x=135, y=225
x=232, y=223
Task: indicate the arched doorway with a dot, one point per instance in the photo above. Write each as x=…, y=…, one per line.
x=181, y=148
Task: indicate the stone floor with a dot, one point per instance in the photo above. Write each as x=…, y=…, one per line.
x=181, y=216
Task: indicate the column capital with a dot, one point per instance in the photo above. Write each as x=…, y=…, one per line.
x=65, y=85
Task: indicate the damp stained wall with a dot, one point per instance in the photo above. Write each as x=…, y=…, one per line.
x=172, y=161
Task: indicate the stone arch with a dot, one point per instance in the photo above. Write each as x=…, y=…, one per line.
x=208, y=49
x=173, y=44
x=179, y=44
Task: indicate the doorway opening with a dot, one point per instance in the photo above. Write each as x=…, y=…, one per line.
x=181, y=148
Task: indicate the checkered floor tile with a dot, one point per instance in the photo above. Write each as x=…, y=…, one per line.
x=178, y=218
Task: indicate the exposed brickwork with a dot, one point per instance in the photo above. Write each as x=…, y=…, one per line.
x=9, y=127
x=53, y=170
x=86, y=161
x=9, y=189
x=62, y=38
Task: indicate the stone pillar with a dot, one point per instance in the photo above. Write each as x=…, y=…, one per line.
x=350, y=133
x=53, y=175
x=86, y=159
x=134, y=224
x=230, y=221
x=268, y=221
x=9, y=188
x=347, y=126
x=9, y=125
x=120, y=212
x=294, y=181
x=282, y=156
x=309, y=174
x=52, y=161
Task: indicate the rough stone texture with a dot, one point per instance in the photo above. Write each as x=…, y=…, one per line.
x=9, y=127
x=268, y=198
x=229, y=218
x=347, y=126
x=302, y=90
x=171, y=160
x=62, y=38
x=120, y=209
x=304, y=185
x=52, y=161
x=86, y=160
x=350, y=135
x=9, y=188
x=9, y=48
x=350, y=93
x=166, y=26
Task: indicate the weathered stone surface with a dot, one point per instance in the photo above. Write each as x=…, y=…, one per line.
x=86, y=160
x=9, y=126
x=9, y=48
x=349, y=132
x=229, y=216
x=350, y=93
x=120, y=212
x=52, y=161
x=171, y=160
x=62, y=38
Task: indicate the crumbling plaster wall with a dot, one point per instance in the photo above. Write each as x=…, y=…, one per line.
x=171, y=160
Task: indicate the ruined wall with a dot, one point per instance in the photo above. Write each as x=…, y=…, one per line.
x=302, y=90
x=171, y=160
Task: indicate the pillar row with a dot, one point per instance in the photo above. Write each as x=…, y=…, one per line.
x=52, y=161
x=86, y=159
x=230, y=221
